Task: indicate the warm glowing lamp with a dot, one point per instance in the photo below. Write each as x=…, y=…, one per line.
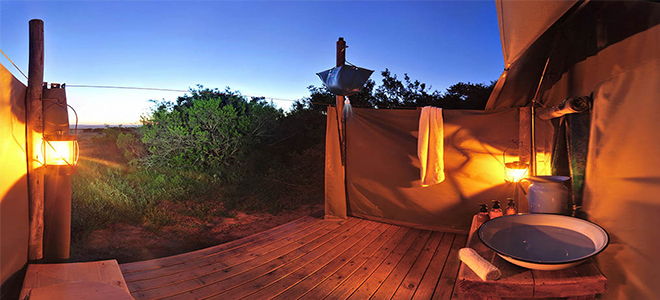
x=515, y=171
x=516, y=166
x=61, y=152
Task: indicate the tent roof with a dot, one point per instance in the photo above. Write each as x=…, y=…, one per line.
x=522, y=22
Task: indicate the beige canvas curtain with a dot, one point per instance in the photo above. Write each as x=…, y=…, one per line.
x=382, y=168
x=335, y=195
x=13, y=179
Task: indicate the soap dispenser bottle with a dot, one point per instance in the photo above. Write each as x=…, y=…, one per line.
x=511, y=208
x=496, y=211
x=482, y=216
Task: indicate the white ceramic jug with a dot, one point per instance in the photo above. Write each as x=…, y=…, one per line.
x=547, y=194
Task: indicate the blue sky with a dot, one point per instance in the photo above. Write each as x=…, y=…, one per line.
x=264, y=48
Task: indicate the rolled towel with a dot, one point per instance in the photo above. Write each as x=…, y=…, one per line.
x=483, y=269
x=568, y=106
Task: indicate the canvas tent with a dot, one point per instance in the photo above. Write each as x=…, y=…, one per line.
x=609, y=50
x=13, y=181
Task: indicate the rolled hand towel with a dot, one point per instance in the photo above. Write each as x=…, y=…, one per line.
x=483, y=269
x=568, y=106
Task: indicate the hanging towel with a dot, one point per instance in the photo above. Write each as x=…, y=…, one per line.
x=430, y=146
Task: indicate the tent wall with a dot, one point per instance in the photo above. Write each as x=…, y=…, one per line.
x=573, y=42
x=523, y=23
x=612, y=51
x=383, y=175
x=623, y=180
x=623, y=169
x=13, y=181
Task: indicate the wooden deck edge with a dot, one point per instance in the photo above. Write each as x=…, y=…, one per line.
x=306, y=232
x=133, y=267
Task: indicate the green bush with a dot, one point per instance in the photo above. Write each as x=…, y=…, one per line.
x=287, y=172
x=188, y=153
x=131, y=145
x=283, y=185
x=209, y=131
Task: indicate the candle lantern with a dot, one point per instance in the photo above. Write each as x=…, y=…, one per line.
x=61, y=153
x=516, y=166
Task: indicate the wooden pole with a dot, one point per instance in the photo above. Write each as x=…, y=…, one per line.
x=341, y=60
x=34, y=138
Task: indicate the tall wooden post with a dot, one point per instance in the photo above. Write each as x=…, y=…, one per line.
x=341, y=60
x=34, y=138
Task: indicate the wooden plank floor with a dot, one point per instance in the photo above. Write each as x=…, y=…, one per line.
x=309, y=258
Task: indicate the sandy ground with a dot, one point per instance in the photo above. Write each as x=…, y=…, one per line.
x=128, y=243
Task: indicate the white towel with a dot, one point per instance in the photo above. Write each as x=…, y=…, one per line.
x=430, y=146
x=480, y=266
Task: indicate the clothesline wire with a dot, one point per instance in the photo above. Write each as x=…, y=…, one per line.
x=3, y=53
x=125, y=87
x=146, y=88
x=162, y=89
x=174, y=90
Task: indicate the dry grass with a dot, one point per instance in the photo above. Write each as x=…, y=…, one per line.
x=124, y=212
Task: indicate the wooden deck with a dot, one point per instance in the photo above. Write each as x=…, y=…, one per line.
x=309, y=258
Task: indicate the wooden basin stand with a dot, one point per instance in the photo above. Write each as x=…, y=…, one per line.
x=580, y=282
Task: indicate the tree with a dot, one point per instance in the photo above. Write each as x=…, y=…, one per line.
x=394, y=93
x=468, y=95
x=208, y=130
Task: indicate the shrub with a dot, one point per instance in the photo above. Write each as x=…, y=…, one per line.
x=191, y=151
x=209, y=131
x=131, y=145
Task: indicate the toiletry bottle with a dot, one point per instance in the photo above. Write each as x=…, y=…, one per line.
x=482, y=216
x=496, y=211
x=511, y=208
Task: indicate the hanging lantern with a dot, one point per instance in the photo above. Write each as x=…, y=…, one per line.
x=61, y=152
x=515, y=166
x=515, y=171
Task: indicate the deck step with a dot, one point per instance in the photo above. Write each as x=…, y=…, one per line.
x=73, y=276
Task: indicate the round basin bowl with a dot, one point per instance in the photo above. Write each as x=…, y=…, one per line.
x=543, y=241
